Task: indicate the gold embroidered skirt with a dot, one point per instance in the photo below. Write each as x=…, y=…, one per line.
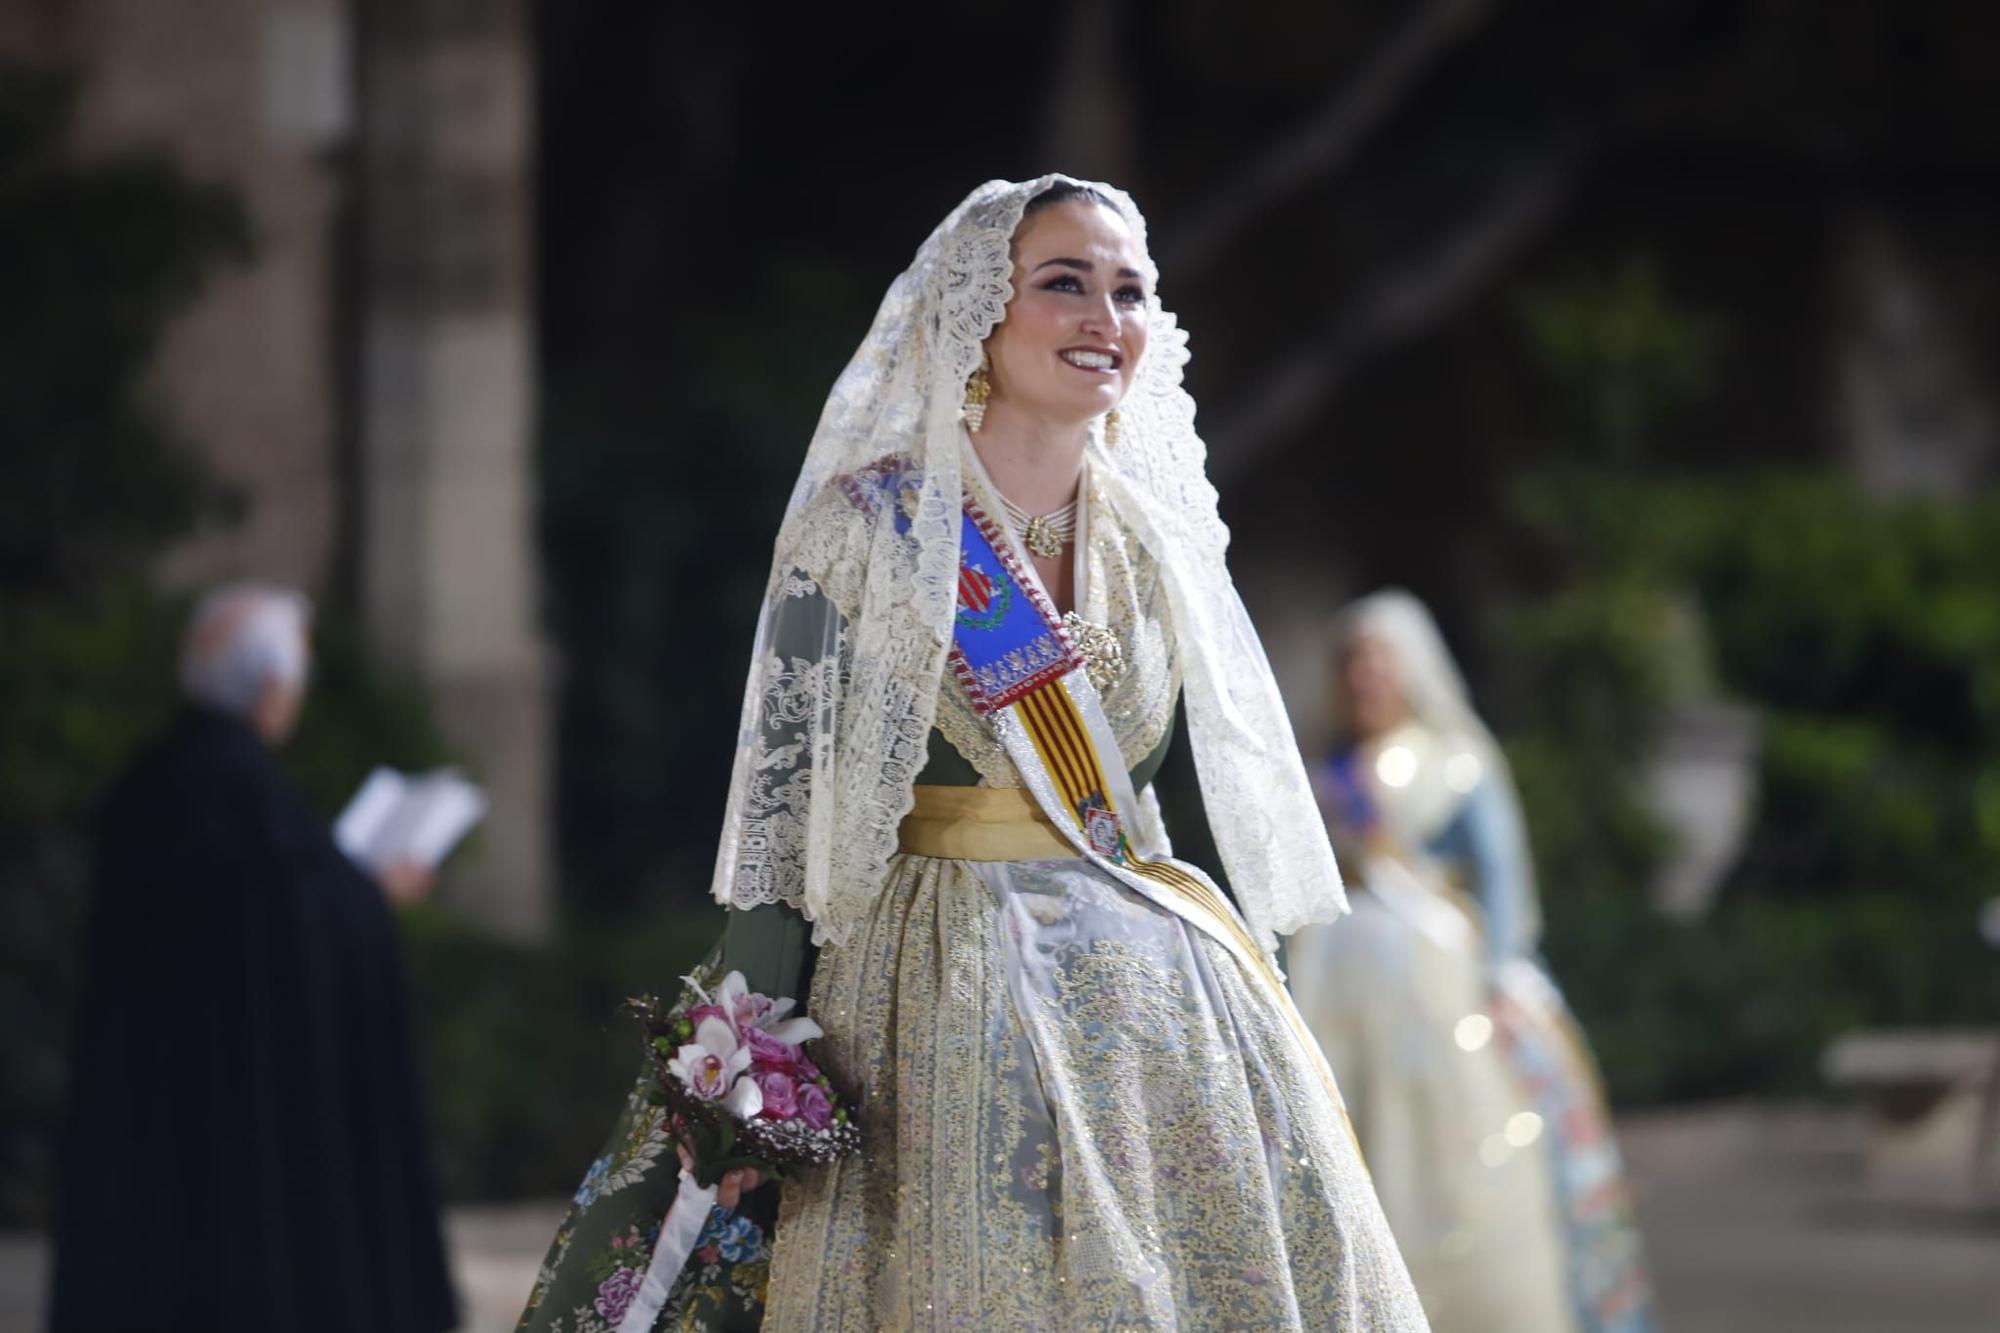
x=1080, y=1114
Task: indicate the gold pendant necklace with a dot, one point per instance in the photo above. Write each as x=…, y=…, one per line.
x=1044, y=534
x=1043, y=538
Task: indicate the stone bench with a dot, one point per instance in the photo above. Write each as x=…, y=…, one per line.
x=1934, y=1095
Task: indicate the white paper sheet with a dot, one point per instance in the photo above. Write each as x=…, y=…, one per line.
x=398, y=817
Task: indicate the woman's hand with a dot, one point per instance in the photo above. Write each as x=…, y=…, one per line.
x=729, y=1191
x=735, y=1184
x=407, y=882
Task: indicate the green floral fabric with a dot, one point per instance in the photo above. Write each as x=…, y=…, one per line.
x=600, y=1252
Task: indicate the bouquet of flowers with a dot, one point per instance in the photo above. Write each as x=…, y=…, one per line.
x=737, y=1085
x=738, y=1092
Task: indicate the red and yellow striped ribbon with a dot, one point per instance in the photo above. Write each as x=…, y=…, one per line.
x=1061, y=738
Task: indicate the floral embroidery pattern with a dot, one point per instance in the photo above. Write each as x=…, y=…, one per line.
x=732, y=1259
x=615, y=1293
x=1078, y=1113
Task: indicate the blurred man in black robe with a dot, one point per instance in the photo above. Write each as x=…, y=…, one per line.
x=246, y=1142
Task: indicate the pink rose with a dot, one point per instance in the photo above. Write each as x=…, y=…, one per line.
x=769, y=1055
x=815, y=1108
x=615, y=1293
x=708, y=1254
x=781, y=1094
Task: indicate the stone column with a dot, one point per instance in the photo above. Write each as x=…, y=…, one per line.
x=447, y=412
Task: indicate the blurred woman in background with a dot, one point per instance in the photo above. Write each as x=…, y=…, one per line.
x=1475, y=1098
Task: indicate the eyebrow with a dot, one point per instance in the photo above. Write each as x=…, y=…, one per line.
x=1085, y=266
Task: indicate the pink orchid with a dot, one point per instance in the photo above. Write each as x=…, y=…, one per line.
x=752, y=1010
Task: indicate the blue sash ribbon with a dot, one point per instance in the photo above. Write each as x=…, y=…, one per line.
x=1007, y=641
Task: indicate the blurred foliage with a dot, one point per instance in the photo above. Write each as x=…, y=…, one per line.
x=1585, y=669
x=81, y=685
x=528, y=1057
x=1593, y=656
x=95, y=257
x=658, y=566
x=1866, y=634
x=1621, y=356
x=1745, y=1001
x=356, y=717
x=1870, y=631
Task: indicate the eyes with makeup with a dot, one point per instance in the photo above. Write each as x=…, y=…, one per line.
x=1129, y=294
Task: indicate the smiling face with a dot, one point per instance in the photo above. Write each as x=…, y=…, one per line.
x=1076, y=328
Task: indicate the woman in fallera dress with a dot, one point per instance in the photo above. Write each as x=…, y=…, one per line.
x=1086, y=1099
x=1475, y=1098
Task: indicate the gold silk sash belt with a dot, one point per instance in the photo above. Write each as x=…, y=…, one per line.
x=980, y=824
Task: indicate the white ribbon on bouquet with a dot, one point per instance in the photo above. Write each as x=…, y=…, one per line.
x=678, y=1233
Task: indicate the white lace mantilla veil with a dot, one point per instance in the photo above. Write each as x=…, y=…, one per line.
x=1436, y=693
x=835, y=730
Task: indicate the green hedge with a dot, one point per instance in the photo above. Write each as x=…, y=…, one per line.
x=1866, y=633
x=1745, y=1001
x=528, y=1058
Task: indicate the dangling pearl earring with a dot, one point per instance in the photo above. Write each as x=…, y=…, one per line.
x=978, y=388
x=1111, y=429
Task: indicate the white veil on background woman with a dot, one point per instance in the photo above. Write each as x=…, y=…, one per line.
x=1435, y=691
x=838, y=708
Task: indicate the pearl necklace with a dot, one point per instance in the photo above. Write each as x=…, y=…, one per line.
x=1044, y=534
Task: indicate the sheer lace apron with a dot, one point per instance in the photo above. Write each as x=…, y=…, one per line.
x=1082, y=1114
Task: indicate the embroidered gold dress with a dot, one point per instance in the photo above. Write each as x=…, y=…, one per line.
x=1086, y=1100
x=1081, y=1111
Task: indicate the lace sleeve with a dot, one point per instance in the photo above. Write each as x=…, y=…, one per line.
x=838, y=707
x=787, y=737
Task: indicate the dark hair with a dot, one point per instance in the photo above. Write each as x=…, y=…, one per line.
x=1064, y=192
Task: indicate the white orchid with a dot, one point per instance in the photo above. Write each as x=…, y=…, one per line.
x=712, y=1066
x=748, y=1009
